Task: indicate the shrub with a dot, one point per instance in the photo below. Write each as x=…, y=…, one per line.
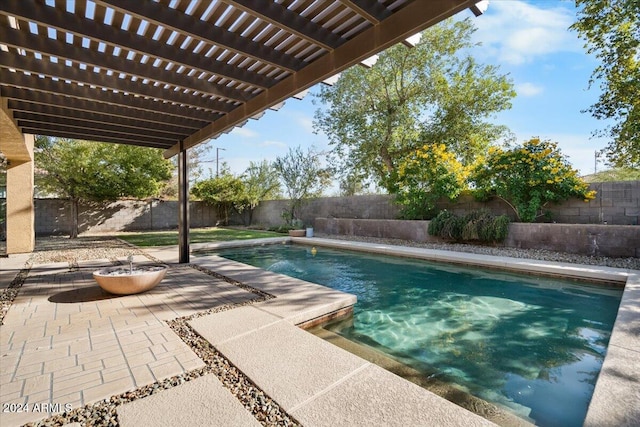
x=528, y=177
x=479, y=226
x=446, y=225
x=425, y=175
x=284, y=229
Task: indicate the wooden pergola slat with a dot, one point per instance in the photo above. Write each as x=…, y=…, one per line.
x=71, y=23
x=101, y=80
x=198, y=29
x=47, y=46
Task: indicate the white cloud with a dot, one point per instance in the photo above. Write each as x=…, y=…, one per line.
x=528, y=89
x=245, y=133
x=306, y=123
x=301, y=119
x=517, y=32
x=269, y=143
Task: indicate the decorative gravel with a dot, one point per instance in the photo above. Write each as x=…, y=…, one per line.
x=538, y=254
x=62, y=249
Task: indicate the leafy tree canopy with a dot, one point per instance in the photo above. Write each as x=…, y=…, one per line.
x=303, y=178
x=611, y=29
x=527, y=177
x=94, y=171
x=262, y=182
x=225, y=192
x=435, y=93
x=195, y=160
x=425, y=175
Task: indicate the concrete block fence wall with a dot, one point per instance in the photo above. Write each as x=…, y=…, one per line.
x=53, y=216
x=595, y=240
x=617, y=203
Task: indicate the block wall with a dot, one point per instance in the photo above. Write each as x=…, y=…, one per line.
x=583, y=239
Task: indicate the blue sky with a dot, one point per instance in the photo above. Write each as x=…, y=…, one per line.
x=529, y=40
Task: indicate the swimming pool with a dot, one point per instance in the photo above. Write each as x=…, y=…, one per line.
x=531, y=344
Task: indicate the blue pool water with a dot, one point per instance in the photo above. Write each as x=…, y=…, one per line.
x=531, y=344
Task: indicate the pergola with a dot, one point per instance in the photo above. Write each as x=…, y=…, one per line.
x=172, y=74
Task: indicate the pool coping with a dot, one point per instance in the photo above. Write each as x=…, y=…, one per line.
x=615, y=400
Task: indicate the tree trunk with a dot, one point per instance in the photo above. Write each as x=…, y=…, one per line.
x=74, y=218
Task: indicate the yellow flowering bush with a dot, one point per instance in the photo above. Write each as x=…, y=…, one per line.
x=425, y=175
x=528, y=177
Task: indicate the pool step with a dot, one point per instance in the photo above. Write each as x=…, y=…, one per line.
x=443, y=389
x=318, y=383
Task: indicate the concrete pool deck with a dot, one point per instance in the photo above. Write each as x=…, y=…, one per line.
x=616, y=399
x=44, y=331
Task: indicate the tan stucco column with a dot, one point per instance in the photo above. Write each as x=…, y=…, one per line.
x=20, y=209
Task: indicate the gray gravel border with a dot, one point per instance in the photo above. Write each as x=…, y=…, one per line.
x=537, y=254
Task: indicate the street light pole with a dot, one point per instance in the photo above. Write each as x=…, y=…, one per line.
x=218, y=158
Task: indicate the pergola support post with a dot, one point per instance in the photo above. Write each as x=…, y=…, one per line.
x=183, y=208
x=20, y=208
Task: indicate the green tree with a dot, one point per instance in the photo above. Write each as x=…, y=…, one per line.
x=195, y=159
x=261, y=182
x=528, y=177
x=225, y=192
x=425, y=175
x=303, y=178
x=350, y=185
x=95, y=171
x=433, y=93
x=611, y=29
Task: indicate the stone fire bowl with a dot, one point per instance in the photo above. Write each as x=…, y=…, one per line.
x=118, y=280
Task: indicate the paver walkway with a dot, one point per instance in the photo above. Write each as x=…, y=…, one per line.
x=64, y=341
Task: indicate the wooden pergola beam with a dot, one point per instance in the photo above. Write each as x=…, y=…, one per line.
x=102, y=80
x=25, y=100
x=46, y=46
x=88, y=116
x=89, y=135
x=200, y=30
x=371, y=10
x=392, y=30
x=120, y=100
x=71, y=23
x=29, y=119
x=282, y=17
